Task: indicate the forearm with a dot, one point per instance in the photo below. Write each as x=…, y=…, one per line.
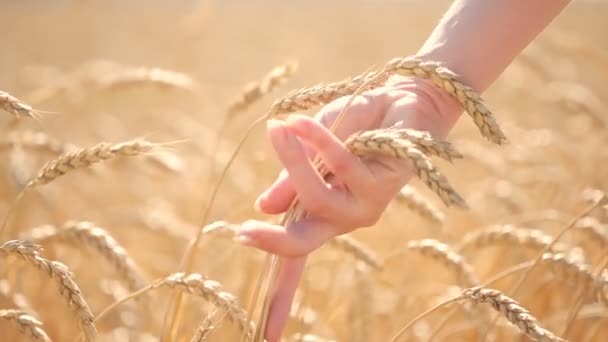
x=478, y=39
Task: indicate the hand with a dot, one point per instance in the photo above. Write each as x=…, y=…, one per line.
x=359, y=190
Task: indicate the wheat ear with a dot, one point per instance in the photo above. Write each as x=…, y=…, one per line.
x=509, y=235
x=17, y=107
x=86, y=157
x=80, y=233
x=593, y=229
x=508, y=307
x=133, y=76
x=445, y=255
x=26, y=324
x=195, y=284
x=446, y=79
x=307, y=98
x=254, y=91
x=59, y=273
x=37, y=141
x=379, y=143
x=358, y=250
x=420, y=205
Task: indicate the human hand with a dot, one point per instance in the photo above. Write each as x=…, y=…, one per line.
x=358, y=191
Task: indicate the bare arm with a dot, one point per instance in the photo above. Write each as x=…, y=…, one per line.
x=479, y=38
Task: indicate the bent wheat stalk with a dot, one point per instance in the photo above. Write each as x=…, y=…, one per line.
x=197, y=285
x=508, y=307
x=60, y=275
x=88, y=234
x=26, y=324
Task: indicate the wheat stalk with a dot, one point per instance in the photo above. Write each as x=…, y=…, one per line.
x=448, y=80
x=17, y=107
x=26, y=324
x=86, y=157
x=419, y=204
x=81, y=233
x=59, y=273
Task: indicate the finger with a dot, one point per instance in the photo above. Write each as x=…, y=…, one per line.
x=277, y=197
x=348, y=168
x=313, y=192
x=297, y=239
x=288, y=277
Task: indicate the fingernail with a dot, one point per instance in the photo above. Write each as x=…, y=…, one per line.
x=244, y=239
x=256, y=204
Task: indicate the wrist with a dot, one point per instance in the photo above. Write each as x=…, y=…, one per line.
x=438, y=102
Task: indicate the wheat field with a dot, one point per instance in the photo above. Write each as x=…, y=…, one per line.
x=118, y=120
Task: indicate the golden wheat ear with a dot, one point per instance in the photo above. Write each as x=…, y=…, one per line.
x=25, y=324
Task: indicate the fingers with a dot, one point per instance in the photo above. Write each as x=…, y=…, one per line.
x=314, y=194
x=348, y=168
x=298, y=239
x=290, y=272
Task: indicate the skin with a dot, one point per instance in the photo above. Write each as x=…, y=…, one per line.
x=477, y=39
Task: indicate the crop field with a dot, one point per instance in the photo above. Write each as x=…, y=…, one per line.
x=119, y=120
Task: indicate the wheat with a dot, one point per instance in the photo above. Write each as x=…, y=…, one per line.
x=37, y=141
x=307, y=98
x=380, y=143
x=256, y=90
x=59, y=273
x=358, y=250
x=593, y=229
x=134, y=76
x=512, y=310
x=511, y=236
x=420, y=205
x=17, y=107
x=86, y=157
x=212, y=291
x=576, y=272
x=446, y=256
x=26, y=324
x=448, y=80
x=88, y=234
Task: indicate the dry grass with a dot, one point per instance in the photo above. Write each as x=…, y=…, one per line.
x=177, y=82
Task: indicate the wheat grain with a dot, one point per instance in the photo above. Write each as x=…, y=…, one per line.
x=256, y=90
x=26, y=324
x=38, y=141
x=86, y=157
x=512, y=310
x=445, y=255
x=593, y=229
x=81, y=233
x=17, y=107
x=377, y=142
x=212, y=291
x=59, y=273
x=420, y=205
x=132, y=76
x=510, y=235
x=358, y=250
x=307, y=98
x=444, y=78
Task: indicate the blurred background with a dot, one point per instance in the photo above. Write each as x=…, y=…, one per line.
x=64, y=58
